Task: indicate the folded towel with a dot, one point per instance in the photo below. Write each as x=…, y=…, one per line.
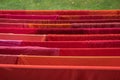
x=58, y=21
x=78, y=37
x=10, y=42
x=90, y=52
x=8, y=59
x=29, y=50
x=76, y=44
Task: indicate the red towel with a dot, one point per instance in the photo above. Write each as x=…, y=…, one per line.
x=29, y=72
x=75, y=44
x=23, y=37
x=95, y=25
x=8, y=59
x=60, y=17
x=65, y=25
x=62, y=12
x=58, y=21
x=47, y=17
x=61, y=30
x=70, y=37
x=34, y=25
x=90, y=52
x=27, y=50
x=70, y=60
x=82, y=17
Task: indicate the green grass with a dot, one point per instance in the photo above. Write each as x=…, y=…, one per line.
x=59, y=4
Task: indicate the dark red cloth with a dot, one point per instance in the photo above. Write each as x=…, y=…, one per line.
x=34, y=25
x=75, y=44
x=8, y=59
x=61, y=30
x=19, y=30
x=90, y=52
x=95, y=25
x=48, y=17
x=82, y=17
x=59, y=17
x=62, y=12
x=27, y=50
x=58, y=21
x=74, y=37
x=64, y=25
x=28, y=72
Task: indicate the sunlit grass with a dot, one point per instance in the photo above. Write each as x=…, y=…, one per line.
x=59, y=4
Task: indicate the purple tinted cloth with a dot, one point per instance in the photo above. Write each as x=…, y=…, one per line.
x=10, y=42
x=29, y=50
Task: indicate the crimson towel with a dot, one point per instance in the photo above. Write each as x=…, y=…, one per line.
x=29, y=72
x=61, y=30
x=70, y=37
x=62, y=12
x=33, y=25
x=8, y=59
x=58, y=21
x=27, y=50
x=48, y=17
x=23, y=37
x=70, y=60
x=75, y=44
x=90, y=52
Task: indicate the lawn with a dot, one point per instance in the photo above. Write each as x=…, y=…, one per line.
x=59, y=4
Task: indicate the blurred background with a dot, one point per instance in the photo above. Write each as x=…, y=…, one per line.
x=59, y=4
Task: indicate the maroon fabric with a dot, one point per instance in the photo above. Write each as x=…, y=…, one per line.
x=73, y=25
x=90, y=52
x=33, y=25
x=95, y=25
x=59, y=17
x=10, y=42
x=78, y=30
x=75, y=44
x=62, y=12
x=61, y=30
x=19, y=30
x=58, y=21
x=9, y=16
x=47, y=12
x=27, y=72
x=14, y=25
x=79, y=17
x=29, y=51
x=8, y=59
x=70, y=37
